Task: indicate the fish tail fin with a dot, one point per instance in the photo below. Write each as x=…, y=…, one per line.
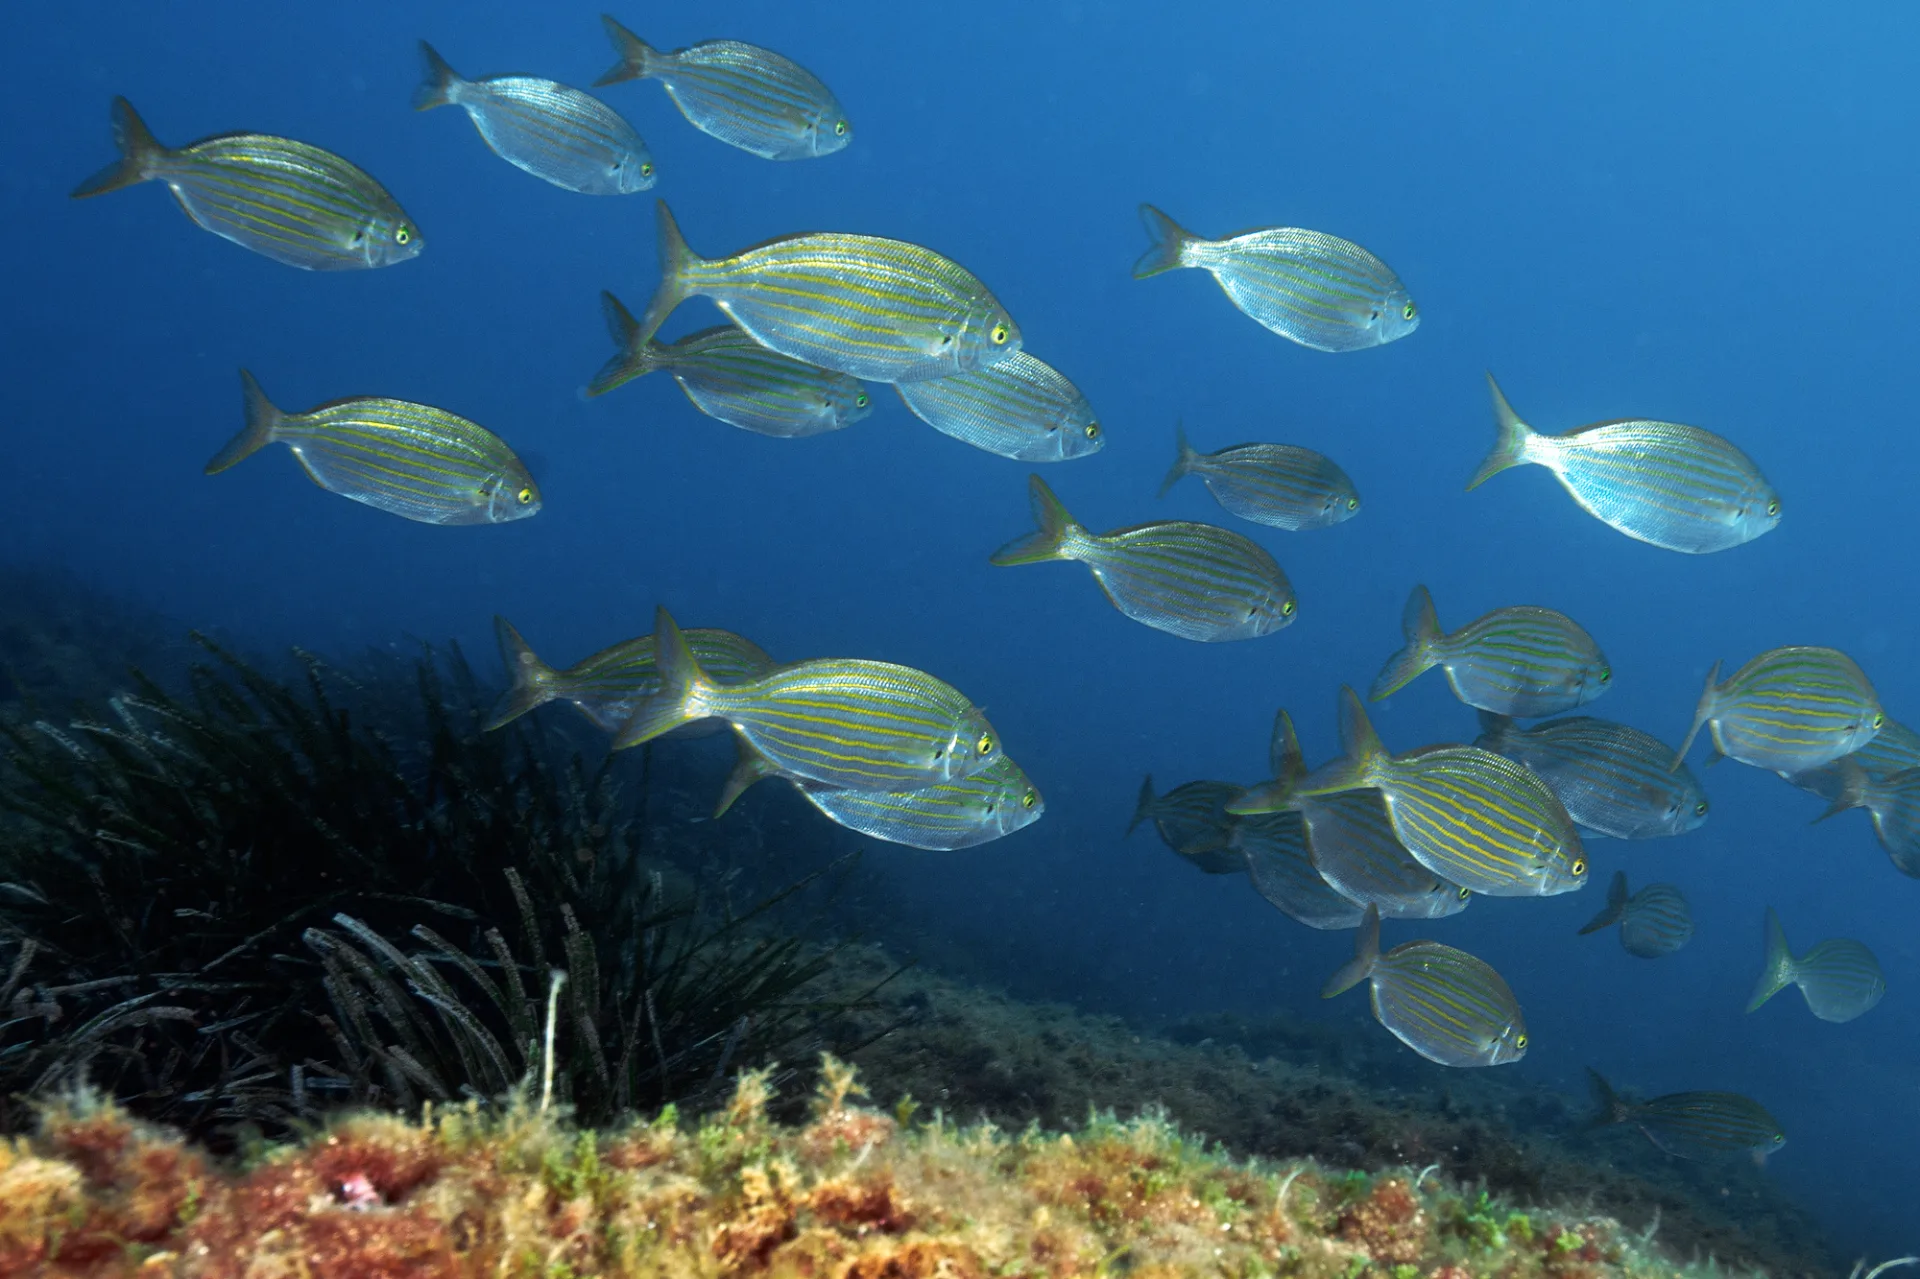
x=138, y=152
x=1607, y=1105
x=1421, y=626
x=1169, y=241
x=1512, y=447
x=676, y=259
x=1363, y=751
x=1496, y=728
x=1853, y=789
x=1616, y=906
x=682, y=686
x=1366, y=953
x=1702, y=712
x=637, y=57
x=439, y=83
x=1049, y=541
x=1143, y=808
x=1776, y=970
x=1183, y=458
x=633, y=354
x=1284, y=758
x=532, y=678
x=749, y=767
x=262, y=418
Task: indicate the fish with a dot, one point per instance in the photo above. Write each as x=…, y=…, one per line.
x=559, y=134
x=1022, y=408
x=1894, y=749
x=1613, y=779
x=1279, y=485
x=731, y=377
x=1278, y=859
x=945, y=817
x=1192, y=580
x=286, y=200
x=1191, y=820
x=1313, y=288
x=846, y=722
x=1470, y=816
x=608, y=686
x=1891, y=799
x=1523, y=661
x=1840, y=978
x=746, y=96
x=1441, y=1002
x=1653, y=922
x=1676, y=487
x=410, y=460
x=1693, y=1125
x=1788, y=710
x=880, y=310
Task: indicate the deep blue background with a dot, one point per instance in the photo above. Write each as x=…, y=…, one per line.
x=1646, y=213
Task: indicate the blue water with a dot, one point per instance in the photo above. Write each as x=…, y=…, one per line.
x=1641, y=211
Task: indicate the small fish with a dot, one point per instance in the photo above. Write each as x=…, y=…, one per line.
x=1676, y=487
x=988, y=805
x=1279, y=485
x=1317, y=289
x=1614, y=780
x=1470, y=816
x=1893, y=801
x=287, y=200
x=882, y=310
x=746, y=96
x=731, y=377
x=610, y=685
x=1192, y=580
x=1523, y=661
x=1443, y=1003
x=1694, y=1125
x=1020, y=408
x=569, y=138
x=1894, y=749
x=1653, y=922
x=1192, y=820
x=1278, y=859
x=410, y=460
x=1788, y=710
x=1840, y=978
x=844, y=722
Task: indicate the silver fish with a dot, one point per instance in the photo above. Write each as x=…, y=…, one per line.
x=1653, y=922
x=1894, y=749
x=1891, y=799
x=1840, y=978
x=1523, y=661
x=1192, y=820
x=1443, y=1003
x=1279, y=485
x=1278, y=858
x=1355, y=850
x=1614, y=779
x=1694, y=1125
x=1788, y=710
x=1022, y=408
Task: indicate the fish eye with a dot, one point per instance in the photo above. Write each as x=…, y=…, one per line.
x=1464, y=894
x=1093, y=430
x=1408, y=311
x=1353, y=504
x=1606, y=673
x=1579, y=866
x=1700, y=809
x=1879, y=719
x=1773, y=507
x=1286, y=609
x=646, y=168
x=1029, y=799
x=840, y=128
x=860, y=400
x=1000, y=333
x=985, y=745
x=402, y=235
x=1519, y=1041
x=1779, y=1139
x=525, y=495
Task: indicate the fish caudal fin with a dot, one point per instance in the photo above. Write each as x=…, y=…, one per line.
x=1183, y=459
x=1776, y=970
x=138, y=154
x=1421, y=626
x=1497, y=729
x=1364, y=754
x=262, y=418
x=676, y=259
x=1169, y=244
x=1049, y=541
x=1512, y=447
x=682, y=684
x=749, y=767
x=438, y=84
x=633, y=354
x=637, y=57
x=1366, y=953
x=1853, y=788
x=1143, y=808
x=1704, y=710
x=1616, y=907
x=532, y=678
x=1607, y=1105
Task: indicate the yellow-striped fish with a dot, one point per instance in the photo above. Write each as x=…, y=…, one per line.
x=1192, y=820
x=1839, y=977
x=746, y=96
x=1192, y=580
x=1653, y=922
x=287, y=200
x=842, y=722
x=1789, y=710
x=882, y=310
x=1275, y=844
x=1694, y=1125
x=1443, y=1003
x=731, y=377
x=1020, y=408
x=1470, y=816
x=559, y=134
x=1279, y=485
x=1521, y=661
x=410, y=460
x=1891, y=799
x=1317, y=289
x=609, y=685
x=1613, y=778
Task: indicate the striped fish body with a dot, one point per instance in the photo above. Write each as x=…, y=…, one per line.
x=1022, y=408
x=1523, y=661
x=1350, y=836
x=1653, y=922
x=1443, y=1003
x=1613, y=779
x=1313, y=288
x=1789, y=710
x=746, y=96
x=1894, y=749
x=1840, y=978
x=1282, y=870
x=991, y=804
x=731, y=377
x=1192, y=580
x=287, y=200
x=556, y=133
x=1483, y=822
x=1279, y=485
x=608, y=686
x=1192, y=820
x=1708, y=1125
x=1892, y=800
